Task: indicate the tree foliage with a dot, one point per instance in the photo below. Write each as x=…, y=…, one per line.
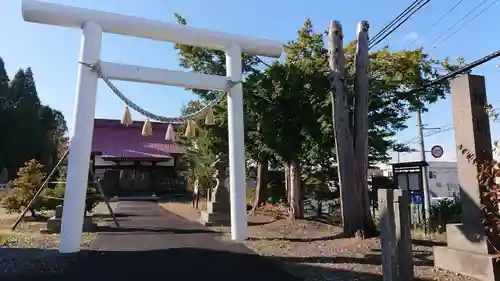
x=30, y=129
x=288, y=107
x=29, y=179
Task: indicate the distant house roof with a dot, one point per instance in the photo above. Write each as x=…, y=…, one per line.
x=111, y=139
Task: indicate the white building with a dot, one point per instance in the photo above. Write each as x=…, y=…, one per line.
x=443, y=179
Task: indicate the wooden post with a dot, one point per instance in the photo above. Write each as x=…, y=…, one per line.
x=361, y=113
x=343, y=137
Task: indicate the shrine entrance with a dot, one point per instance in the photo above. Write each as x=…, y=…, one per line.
x=93, y=23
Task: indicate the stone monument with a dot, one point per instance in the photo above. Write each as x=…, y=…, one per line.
x=218, y=208
x=54, y=223
x=468, y=251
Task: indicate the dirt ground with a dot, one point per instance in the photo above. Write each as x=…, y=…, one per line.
x=28, y=235
x=315, y=251
x=18, y=249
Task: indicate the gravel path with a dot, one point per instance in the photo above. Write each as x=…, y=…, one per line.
x=313, y=251
x=151, y=243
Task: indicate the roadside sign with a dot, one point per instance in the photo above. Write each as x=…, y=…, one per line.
x=416, y=199
x=437, y=151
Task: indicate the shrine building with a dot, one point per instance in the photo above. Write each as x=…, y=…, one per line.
x=135, y=165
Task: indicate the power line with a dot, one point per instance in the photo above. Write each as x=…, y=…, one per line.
x=440, y=130
x=394, y=21
x=419, y=3
x=438, y=21
x=449, y=75
x=459, y=21
x=422, y=4
x=466, y=23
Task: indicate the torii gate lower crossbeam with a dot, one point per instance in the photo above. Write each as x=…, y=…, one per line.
x=93, y=24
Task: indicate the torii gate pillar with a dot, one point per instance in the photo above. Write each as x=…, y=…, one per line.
x=80, y=146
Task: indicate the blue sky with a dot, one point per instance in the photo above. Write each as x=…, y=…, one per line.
x=52, y=52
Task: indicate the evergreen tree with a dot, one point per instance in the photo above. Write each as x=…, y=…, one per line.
x=4, y=93
x=29, y=129
x=4, y=82
x=23, y=132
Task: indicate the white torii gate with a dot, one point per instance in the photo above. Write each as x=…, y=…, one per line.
x=94, y=23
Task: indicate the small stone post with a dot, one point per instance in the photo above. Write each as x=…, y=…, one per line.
x=218, y=208
x=387, y=234
x=403, y=234
x=397, y=256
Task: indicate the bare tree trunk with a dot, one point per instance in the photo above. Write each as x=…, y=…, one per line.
x=296, y=209
x=350, y=193
x=287, y=183
x=262, y=181
x=361, y=123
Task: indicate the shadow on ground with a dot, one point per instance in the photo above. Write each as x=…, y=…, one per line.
x=316, y=273
x=427, y=243
x=148, y=230
x=257, y=223
x=109, y=216
x=326, y=219
x=174, y=264
x=188, y=264
x=175, y=199
x=420, y=258
x=306, y=240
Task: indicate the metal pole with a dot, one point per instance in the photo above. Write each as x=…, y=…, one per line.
x=425, y=183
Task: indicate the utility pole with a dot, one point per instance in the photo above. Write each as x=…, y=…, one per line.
x=425, y=182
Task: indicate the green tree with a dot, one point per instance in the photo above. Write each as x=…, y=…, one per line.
x=288, y=105
x=212, y=62
x=23, y=141
x=29, y=179
x=293, y=90
x=298, y=109
x=200, y=151
x=32, y=130
x=4, y=118
x=391, y=73
x=53, y=130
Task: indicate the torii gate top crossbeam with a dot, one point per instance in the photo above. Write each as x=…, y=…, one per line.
x=61, y=15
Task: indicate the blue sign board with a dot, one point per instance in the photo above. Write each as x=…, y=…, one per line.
x=416, y=198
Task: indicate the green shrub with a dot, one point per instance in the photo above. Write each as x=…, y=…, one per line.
x=445, y=212
x=93, y=197
x=29, y=179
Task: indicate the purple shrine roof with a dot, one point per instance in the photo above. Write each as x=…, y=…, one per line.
x=111, y=139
